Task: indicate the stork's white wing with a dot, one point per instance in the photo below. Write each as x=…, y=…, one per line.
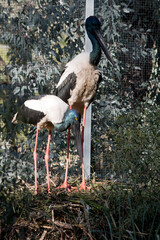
x=80, y=62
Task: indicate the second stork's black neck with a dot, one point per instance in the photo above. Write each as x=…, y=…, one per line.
x=95, y=54
x=71, y=116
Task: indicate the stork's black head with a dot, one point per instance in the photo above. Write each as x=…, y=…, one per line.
x=76, y=114
x=92, y=23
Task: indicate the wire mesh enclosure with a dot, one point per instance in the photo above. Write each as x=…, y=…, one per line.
x=135, y=37
x=37, y=39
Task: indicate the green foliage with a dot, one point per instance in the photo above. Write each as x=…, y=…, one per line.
x=3, y=54
x=30, y=34
x=134, y=146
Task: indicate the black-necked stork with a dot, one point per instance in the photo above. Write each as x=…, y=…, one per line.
x=49, y=111
x=78, y=83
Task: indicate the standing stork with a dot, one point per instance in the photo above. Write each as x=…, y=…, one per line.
x=78, y=83
x=49, y=111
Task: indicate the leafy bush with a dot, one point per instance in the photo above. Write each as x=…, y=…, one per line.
x=134, y=146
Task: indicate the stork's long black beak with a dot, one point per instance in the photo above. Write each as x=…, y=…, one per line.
x=99, y=38
x=77, y=134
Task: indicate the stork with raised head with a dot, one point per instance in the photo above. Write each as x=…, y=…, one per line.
x=78, y=83
x=49, y=112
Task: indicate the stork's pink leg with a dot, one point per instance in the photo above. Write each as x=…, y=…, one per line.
x=67, y=163
x=83, y=185
x=47, y=160
x=84, y=119
x=35, y=161
x=65, y=184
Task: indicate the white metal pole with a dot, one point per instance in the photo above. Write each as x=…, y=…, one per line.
x=87, y=129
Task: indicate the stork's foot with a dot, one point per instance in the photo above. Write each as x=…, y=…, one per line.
x=66, y=186
x=49, y=192
x=83, y=186
x=35, y=192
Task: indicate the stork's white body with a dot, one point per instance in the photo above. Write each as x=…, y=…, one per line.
x=77, y=64
x=87, y=77
x=52, y=107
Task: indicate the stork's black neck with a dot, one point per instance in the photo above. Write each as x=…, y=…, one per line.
x=62, y=126
x=95, y=54
x=71, y=116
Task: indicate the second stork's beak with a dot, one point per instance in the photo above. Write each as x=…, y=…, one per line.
x=99, y=38
x=77, y=134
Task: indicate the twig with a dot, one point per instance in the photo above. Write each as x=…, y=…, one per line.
x=43, y=235
x=47, y=227
x=26, y=184
x=70, y=205
x=63, y=225
x=86, y=213
x=52, y=215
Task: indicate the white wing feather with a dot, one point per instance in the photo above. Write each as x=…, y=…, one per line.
x=52, y=106
x=79, y=63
